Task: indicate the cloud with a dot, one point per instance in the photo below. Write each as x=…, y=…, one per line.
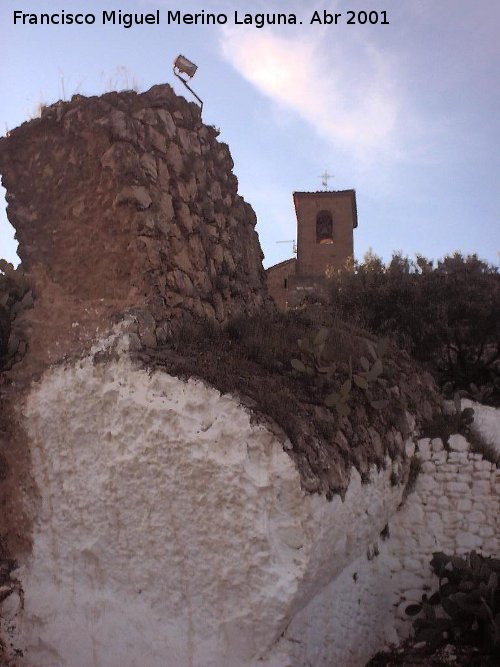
x=345, y=91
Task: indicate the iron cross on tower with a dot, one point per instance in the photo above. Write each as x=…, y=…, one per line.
x=324, y=178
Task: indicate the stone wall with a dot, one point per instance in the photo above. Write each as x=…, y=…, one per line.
x=454, y=507
x=127, y=201
x=277, y=282
x=290, y=290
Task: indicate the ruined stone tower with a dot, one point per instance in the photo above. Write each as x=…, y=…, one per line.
x=126, y=204
x=325, y=224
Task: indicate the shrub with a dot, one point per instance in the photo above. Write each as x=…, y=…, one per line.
x=13, y=287
x=466, y=607
x=317, y=350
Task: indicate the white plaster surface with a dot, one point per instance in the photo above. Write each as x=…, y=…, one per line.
x=173, y=532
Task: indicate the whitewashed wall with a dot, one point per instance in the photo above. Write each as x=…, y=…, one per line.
x=173, y=532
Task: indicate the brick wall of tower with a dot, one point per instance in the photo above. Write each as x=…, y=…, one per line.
x=314, y=258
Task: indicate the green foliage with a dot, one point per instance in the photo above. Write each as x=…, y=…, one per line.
x=466, y=607
x=446, y=316
x=13, y=287
x=312, y=347
x=316, y=352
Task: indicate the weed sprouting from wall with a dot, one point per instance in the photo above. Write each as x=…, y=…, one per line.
x=121, y=78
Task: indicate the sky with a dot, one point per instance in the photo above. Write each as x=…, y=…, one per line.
x=407, y=113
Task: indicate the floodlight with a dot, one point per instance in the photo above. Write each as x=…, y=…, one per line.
x=184, y=66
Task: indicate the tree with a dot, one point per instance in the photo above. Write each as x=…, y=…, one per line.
x=447, y=316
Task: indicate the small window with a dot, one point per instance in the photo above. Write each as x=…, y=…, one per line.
x=324, y=227
x=285, y=283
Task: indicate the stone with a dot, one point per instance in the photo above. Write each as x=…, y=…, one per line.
x=157, y=140
x=173, y=299
x=230, y=264
x=458, y=443
x=123, y=160
x=185, y=218
x=183, y=283
x=168, y=126
x=482, y=465
x=464, y=505
x=437, y=444
x=457, y=487
x=424, y=448
x=174, y=159
x=477, y=516
x=483, y=475
x=208, y=310
x=163, y=174
x=185, y=140
x=468, y=541
x=451, y=516
x=148, y=116
x=439, y=458
x=197, y=252
x=160, y=95
x=188, y=191
x=121, y=129
x=482, y=487
x=148, y=164
x=136, y=195
x=457, y=457
x=486, y=531
x=166, y=206
x=182, y=261
x=215, y=191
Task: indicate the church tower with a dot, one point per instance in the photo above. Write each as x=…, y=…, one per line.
x=325, y=224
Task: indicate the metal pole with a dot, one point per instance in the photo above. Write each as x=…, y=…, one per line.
x=190, y=89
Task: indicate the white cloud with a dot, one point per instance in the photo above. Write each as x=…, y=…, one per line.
x=345, y=91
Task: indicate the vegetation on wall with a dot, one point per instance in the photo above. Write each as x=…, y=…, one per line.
x=363, y=373
x=253, y=358
x=445, y=315
x=466, y=606
x=14, y=294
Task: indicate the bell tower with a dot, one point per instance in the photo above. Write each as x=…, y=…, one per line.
x=325, y=224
